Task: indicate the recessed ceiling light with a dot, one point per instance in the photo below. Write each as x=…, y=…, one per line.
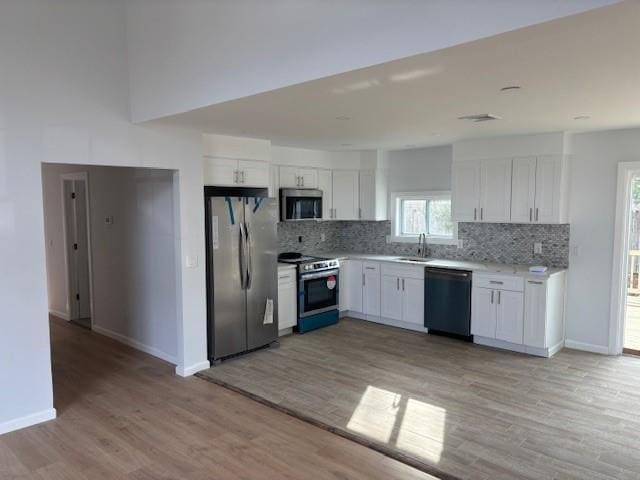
x=510, y=88
x=480, y=117
x=582, y=117
x=343, y=117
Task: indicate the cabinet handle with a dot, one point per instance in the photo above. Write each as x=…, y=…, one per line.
x=498, y=297
x=495, y=282
x=481, y=213
x=403, y=284
x=235, y=176
x=284, y=277
x=302, y=181
x=531, y=214
x=475, y=213
x=397, y=284
x=492, y=297
x=242, y=176
x=370, y=268
x=535, y=283
x=536, y=214
x=363, y=280
x=359, y=213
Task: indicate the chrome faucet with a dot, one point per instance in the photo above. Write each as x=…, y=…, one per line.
x=422, y=245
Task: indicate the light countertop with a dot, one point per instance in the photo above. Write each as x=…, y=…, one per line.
x=478, y=267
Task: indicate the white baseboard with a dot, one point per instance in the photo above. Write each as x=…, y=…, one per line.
x=192, y=369
x=27, y=421
x=587, y=347
x=135, y=344
x=62, y=315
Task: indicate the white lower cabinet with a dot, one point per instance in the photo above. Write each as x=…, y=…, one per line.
x=402, y=294
x=413, y=300
x=287, y=307
x=371, y=288
x=353, y=282
x=517, y=313
x=391, y=297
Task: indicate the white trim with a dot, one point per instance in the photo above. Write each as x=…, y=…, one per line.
x=192, y=369
x=27, y=420
x=620, y=247
x=84, y=176
x=59, y=314
x=586, y=347
x=135, y=344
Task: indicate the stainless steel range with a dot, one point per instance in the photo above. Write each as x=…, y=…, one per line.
x=318, y=290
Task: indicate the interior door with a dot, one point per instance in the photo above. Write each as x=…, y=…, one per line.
x=227, y=299
x=76, y=224
x=261, y=218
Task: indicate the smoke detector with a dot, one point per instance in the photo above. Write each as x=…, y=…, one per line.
x=480, y=117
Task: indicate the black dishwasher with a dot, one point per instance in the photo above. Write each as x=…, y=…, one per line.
x=447, y=302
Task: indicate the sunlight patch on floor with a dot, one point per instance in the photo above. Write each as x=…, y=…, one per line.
x=422, y=430
x=375, y=415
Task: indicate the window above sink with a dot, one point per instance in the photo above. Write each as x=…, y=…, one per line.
x=414, y=213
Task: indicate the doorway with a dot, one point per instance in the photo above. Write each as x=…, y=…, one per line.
x=631, y=334
x=75, y=201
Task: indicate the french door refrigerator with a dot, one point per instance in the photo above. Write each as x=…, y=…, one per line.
x=242, y=270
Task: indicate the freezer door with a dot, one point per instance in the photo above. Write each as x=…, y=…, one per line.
x=261, y=217
x=228, y=323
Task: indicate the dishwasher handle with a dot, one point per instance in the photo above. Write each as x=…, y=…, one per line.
x=448, y=274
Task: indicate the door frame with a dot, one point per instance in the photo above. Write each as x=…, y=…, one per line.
x=82, y=176
x=626, y=171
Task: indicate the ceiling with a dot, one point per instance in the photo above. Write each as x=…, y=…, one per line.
x=583, y=65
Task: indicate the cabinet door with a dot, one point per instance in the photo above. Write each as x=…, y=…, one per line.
x=345, y=194
x=367, y=199
x=535, y=308
x=371, y=289
x=548, y=184
x=308, y=177
x=509, y=316
x=325, y=184
x=523, y=189
x=343, y=286
x=390, y=297
x=254, y=173
x=413, y=300
x=287, y=308
x=495, y=190
x=355, y=281
x=220, y=171
x=465, y=191
x=289, y=177
x=483, y=312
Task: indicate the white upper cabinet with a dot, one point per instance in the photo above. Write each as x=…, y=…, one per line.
x=523, y=189
x=325, y=183
x=539, y=190
x=298, y=177
x=345, y=194
x=367, y=195
x=232, y=172
x=465, y=191
x=495, y=190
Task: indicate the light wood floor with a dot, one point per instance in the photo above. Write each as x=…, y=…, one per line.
x=469, y=411
x=125, y=415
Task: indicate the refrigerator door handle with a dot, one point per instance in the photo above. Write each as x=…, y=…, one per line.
x=248, y=247
x=242, y=257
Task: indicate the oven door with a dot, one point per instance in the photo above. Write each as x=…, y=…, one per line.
x=318, y=292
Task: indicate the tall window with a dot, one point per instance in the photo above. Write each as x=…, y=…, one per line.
x=427, y=212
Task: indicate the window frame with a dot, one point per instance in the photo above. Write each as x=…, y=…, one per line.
x=396, y=217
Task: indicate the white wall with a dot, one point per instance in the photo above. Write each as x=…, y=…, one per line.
x=186, y=54
x=420, y=169
x=134, y=268
x=592, y=217
x=64, y=99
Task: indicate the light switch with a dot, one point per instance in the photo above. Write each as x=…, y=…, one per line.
x=108, y=220
x=537, y=248
x=191, y=261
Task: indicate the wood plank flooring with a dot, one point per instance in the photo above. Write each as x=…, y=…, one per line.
x=124, y=415
x=465, y=410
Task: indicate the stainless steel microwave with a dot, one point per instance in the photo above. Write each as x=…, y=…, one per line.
x=300, y=204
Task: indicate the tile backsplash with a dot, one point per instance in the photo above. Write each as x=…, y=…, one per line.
x=482, y=242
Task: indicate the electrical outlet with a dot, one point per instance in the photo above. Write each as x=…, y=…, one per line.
x=108, y=220
x=460, y=243
x=322, y=237
x=537, y=248
x=299, y=238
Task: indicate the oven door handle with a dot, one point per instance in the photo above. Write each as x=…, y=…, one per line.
x=324, y=273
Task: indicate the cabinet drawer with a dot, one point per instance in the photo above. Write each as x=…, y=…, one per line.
x=498, y=282
x=371, y=267
x=403, y=271
x=286, y=277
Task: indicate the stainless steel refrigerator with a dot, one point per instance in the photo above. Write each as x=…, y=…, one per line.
x=242, y=270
